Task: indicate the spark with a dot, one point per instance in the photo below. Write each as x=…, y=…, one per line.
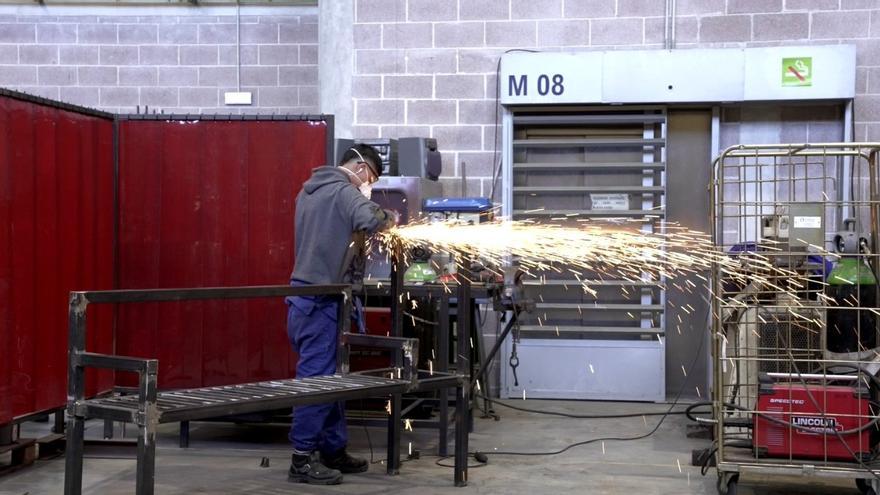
x=603, y=448
x=591, y=369
x=616, y=250
x=407, y=425
x=524, y=394
x=678, y=462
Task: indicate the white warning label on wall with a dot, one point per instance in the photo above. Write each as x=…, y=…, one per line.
x=610, y=201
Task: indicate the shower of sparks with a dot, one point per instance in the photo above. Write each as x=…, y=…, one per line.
x=608, y=249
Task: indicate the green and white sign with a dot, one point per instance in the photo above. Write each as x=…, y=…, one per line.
x=797, y=71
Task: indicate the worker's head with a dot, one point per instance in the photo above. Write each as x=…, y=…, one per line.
x=363, y=164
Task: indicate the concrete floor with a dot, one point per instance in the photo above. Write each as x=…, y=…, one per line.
x=225, y=458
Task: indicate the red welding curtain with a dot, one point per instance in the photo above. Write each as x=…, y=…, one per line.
x=56, y=235
x=202, y=204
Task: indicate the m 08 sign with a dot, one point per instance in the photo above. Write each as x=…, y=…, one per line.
x=543, y=84
x=550, y=78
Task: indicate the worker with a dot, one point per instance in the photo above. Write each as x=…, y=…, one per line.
x=332, y=209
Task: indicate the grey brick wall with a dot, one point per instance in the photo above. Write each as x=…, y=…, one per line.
x=173, y=59
x=429, y=65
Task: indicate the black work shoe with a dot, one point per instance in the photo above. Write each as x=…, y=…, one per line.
x=344, y=462
x=309, y=469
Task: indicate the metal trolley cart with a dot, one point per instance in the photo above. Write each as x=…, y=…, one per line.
x=795, y=322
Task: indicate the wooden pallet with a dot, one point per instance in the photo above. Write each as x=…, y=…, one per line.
x=24, y=452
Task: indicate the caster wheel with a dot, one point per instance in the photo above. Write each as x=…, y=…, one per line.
x=728, y=484
x=733, y=487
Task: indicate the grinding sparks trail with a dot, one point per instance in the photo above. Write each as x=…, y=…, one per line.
x=617, y=250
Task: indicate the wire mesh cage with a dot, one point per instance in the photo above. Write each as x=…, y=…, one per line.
x=795, y=352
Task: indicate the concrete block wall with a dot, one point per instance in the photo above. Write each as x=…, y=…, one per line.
x=173, y=59
x=428, y=66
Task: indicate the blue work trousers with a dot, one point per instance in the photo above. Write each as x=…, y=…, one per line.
x=312, y=330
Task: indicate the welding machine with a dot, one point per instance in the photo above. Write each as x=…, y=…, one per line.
x=802, y=420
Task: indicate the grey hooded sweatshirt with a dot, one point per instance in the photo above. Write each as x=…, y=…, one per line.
x=329, y=210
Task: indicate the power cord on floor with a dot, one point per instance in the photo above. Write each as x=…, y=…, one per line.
x=664, y=415
x=578, y=416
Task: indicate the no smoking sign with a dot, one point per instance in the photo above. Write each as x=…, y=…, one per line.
x=797, y=71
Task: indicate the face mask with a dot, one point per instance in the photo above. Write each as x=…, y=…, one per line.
x=365, y=188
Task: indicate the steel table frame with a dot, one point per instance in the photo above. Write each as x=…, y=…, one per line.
x=145, y=411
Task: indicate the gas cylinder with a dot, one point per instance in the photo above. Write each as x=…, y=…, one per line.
x=852, y=285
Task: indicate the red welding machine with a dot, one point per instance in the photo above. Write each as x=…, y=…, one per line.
x=818, y=414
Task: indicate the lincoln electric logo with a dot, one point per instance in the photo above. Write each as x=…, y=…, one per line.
x=815, y=424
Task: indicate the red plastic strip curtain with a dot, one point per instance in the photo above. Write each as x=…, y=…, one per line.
x=56, y=235
x=206, y=204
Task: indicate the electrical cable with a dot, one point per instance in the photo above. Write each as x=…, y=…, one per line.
x=470, y=466
x=665, y=415
x=578, y=416
x=838, y=434
x=496, y=159
x=367, y=431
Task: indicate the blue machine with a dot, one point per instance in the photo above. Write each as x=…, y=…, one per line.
x=470, y=210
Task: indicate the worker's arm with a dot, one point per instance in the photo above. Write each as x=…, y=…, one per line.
x=364, y=214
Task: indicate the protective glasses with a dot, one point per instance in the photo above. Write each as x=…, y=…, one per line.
x=373, y=176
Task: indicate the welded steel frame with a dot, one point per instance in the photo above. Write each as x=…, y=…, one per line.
x=440, y=379
x=147, y=415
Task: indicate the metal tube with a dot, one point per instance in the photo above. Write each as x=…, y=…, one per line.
x=845, y=164
x=76, y=321
x=59, y=421
x=343, y=324
x=146, y=462
x=463, y=367
x=73, y=459
x=443, y=366
x=238, y=45
x=666, y=36
x=394, y=417
x=495, y=348
x=394, y=420
x=192, y=294
x=184, y=434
